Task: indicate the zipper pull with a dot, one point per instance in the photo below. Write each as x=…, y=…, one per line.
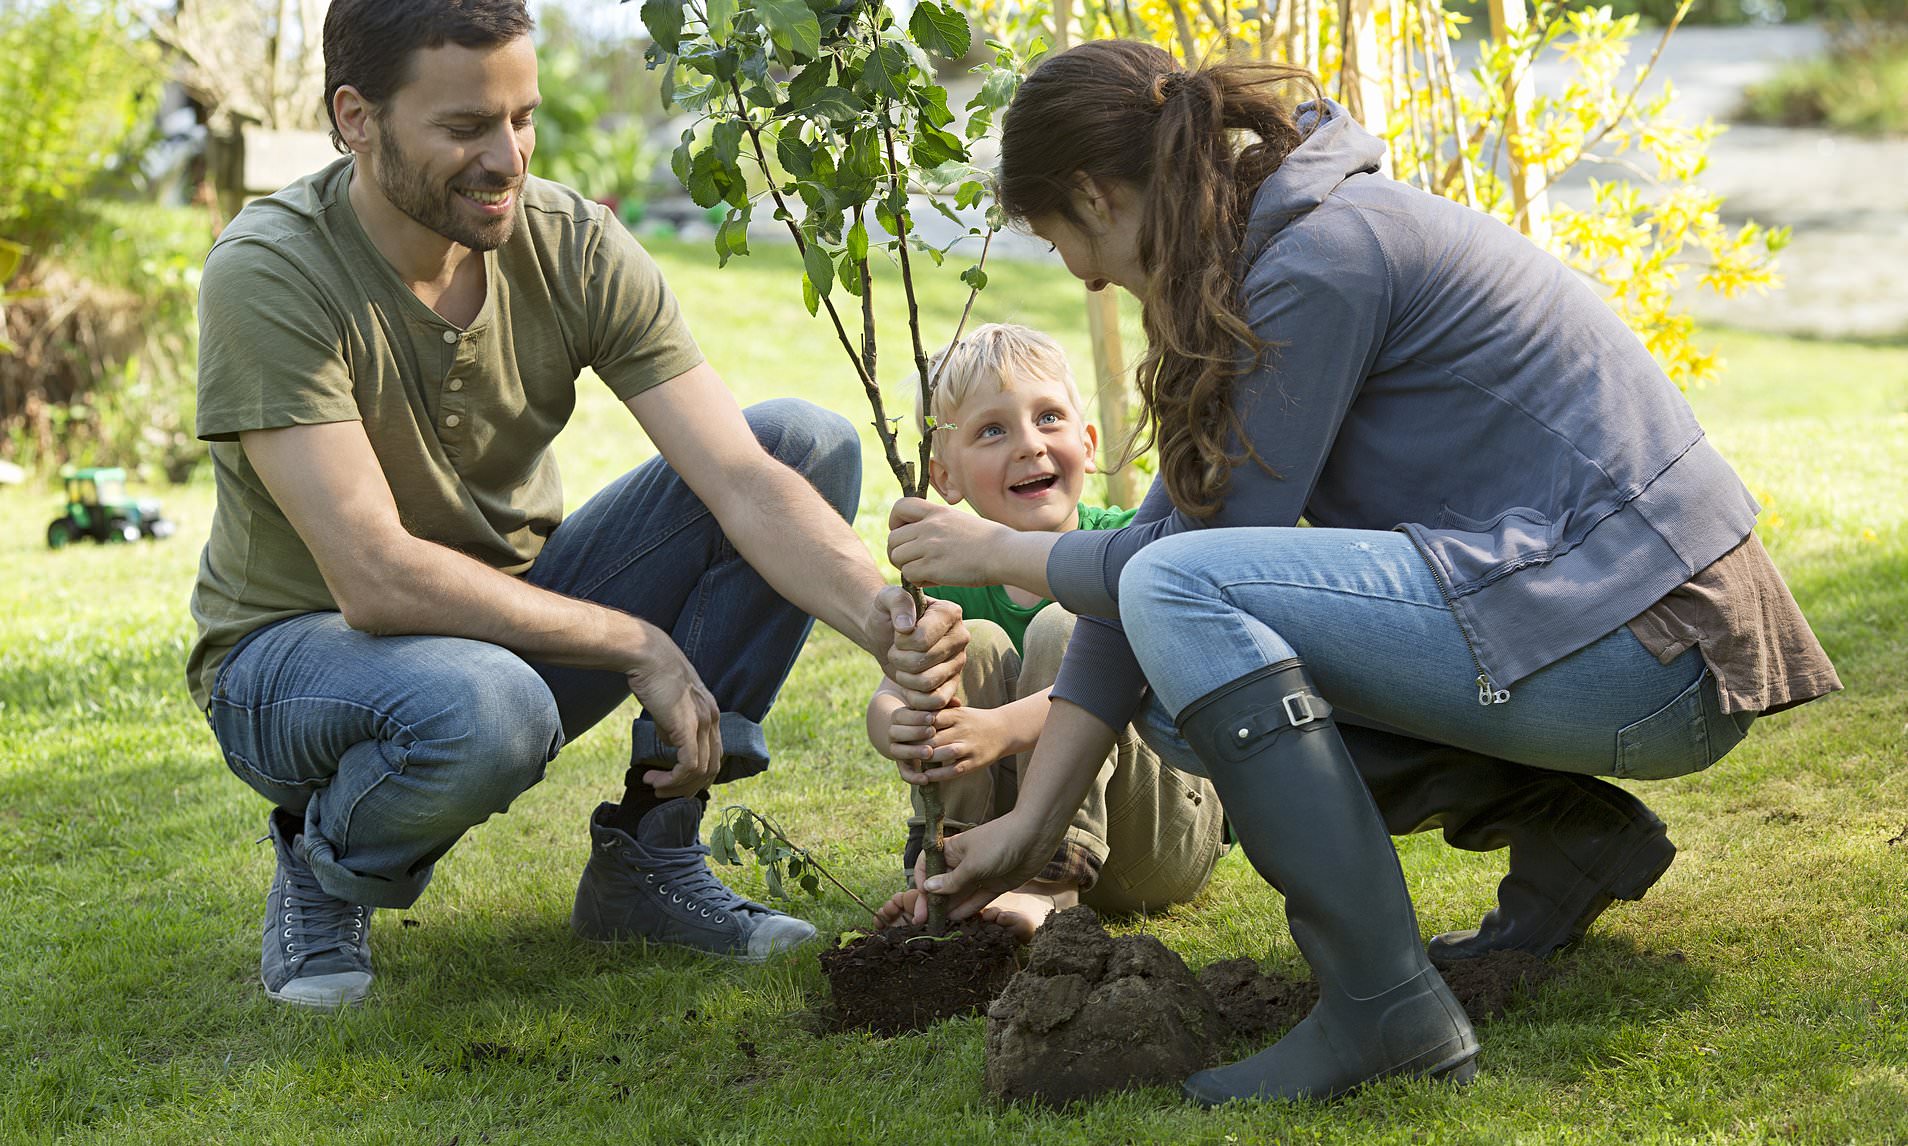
x=1488, y=695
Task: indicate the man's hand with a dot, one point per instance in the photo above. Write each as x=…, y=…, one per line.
x=925, y=655
x=953, y=741
x=673, y=695
x=940, y=545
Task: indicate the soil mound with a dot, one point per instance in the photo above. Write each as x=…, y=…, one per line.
x=903, y=979
x=1092, y=1013
x=1262, y=1006
x=1487, y=985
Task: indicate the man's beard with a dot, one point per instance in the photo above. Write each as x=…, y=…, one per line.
x=409, y=190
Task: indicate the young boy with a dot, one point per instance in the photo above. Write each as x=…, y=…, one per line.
x=1014, y=444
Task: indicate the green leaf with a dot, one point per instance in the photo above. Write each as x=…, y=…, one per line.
x=887, y=72
x=974, y=277
x=705, y=183
x=889, y=219
x=732, y=237
x=774, y=882
x=810, y=297
x=849, y=273
x=797, y=158
x=811, y=885
x=833, y=104
x=808, y=82
x=664, y=21
x=932, y=148
x=942, y=31
x=721, y=19
x=997, y=91
x=820, y=268
x=858, y=241
x=970, y=193
x=795, y=30
x=745, y=831
x=726, y=141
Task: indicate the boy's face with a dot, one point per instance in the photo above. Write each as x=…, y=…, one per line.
x=1019, y=456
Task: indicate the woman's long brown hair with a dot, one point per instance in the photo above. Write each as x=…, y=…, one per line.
x=1195, y=144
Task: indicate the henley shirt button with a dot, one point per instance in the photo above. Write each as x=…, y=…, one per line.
x=450, y=337
x=452, y=421
x=456, y=384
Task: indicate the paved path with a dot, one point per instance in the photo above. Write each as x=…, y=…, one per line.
x=1846, y=271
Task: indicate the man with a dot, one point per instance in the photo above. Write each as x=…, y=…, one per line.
x=398, y=628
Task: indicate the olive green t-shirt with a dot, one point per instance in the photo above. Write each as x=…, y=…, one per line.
x=303, y=321
x=991, y=602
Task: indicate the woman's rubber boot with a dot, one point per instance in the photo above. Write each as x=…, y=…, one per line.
x=1308, y=824
x=1577, y=843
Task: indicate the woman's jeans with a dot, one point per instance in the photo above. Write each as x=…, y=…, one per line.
x=391, y=748
x=1364, y=612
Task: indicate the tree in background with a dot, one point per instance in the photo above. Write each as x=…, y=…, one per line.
x=593, y=125
x=96, y=328
x=247, y=61
x=1485, y=138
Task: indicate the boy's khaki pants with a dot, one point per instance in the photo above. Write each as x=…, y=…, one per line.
x=1156, y=832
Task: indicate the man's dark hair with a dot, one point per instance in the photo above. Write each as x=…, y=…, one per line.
x=369, y=43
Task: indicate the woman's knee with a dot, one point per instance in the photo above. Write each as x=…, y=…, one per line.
x=819, y=444
x=1161, y=585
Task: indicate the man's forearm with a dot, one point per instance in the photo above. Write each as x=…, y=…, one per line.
x=421, y=587
x=790, y=535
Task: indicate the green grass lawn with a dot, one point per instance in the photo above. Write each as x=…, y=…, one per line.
x=1760, y=994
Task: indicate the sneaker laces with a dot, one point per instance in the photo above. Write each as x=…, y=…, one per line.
x=315, y=922
x=681, y=874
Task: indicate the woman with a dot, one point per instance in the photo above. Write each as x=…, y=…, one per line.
x=1528, y=566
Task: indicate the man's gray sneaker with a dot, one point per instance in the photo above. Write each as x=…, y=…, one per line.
x=317, y=950
x=656, y=887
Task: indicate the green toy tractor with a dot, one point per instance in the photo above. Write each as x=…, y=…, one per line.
x=97, y=507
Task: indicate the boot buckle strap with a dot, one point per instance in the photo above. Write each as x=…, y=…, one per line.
x=1302, y=708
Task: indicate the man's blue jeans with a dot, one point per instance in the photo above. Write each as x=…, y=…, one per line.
x=392, y=747
x=1364, y=612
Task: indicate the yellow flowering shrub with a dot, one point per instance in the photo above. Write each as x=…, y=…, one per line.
x=1649, y=233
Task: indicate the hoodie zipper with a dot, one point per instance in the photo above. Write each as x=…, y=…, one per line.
x=1487, y=691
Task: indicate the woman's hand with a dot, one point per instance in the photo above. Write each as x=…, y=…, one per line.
x=951, y=742
x=985, y=861
x=940, y=545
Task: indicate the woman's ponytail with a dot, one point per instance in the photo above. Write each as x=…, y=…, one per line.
x=1196, y=144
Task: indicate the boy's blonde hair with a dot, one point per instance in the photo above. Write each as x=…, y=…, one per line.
x=996, y=354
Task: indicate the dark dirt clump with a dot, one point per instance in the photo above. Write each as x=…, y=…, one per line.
x=902, y=979
x=1092, y=1013
x=1262, y=1006
x=1259, y=1006
x=1486, y=986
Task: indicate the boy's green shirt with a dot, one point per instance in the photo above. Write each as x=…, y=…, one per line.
x=991, y=603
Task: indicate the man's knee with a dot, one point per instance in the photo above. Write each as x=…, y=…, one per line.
x=819, y=444
x=499, y=728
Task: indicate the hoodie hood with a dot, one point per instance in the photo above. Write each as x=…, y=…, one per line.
x=1335, y=149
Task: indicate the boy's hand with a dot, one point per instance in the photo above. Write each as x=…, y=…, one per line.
x=951, y=742
x=939, y=545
